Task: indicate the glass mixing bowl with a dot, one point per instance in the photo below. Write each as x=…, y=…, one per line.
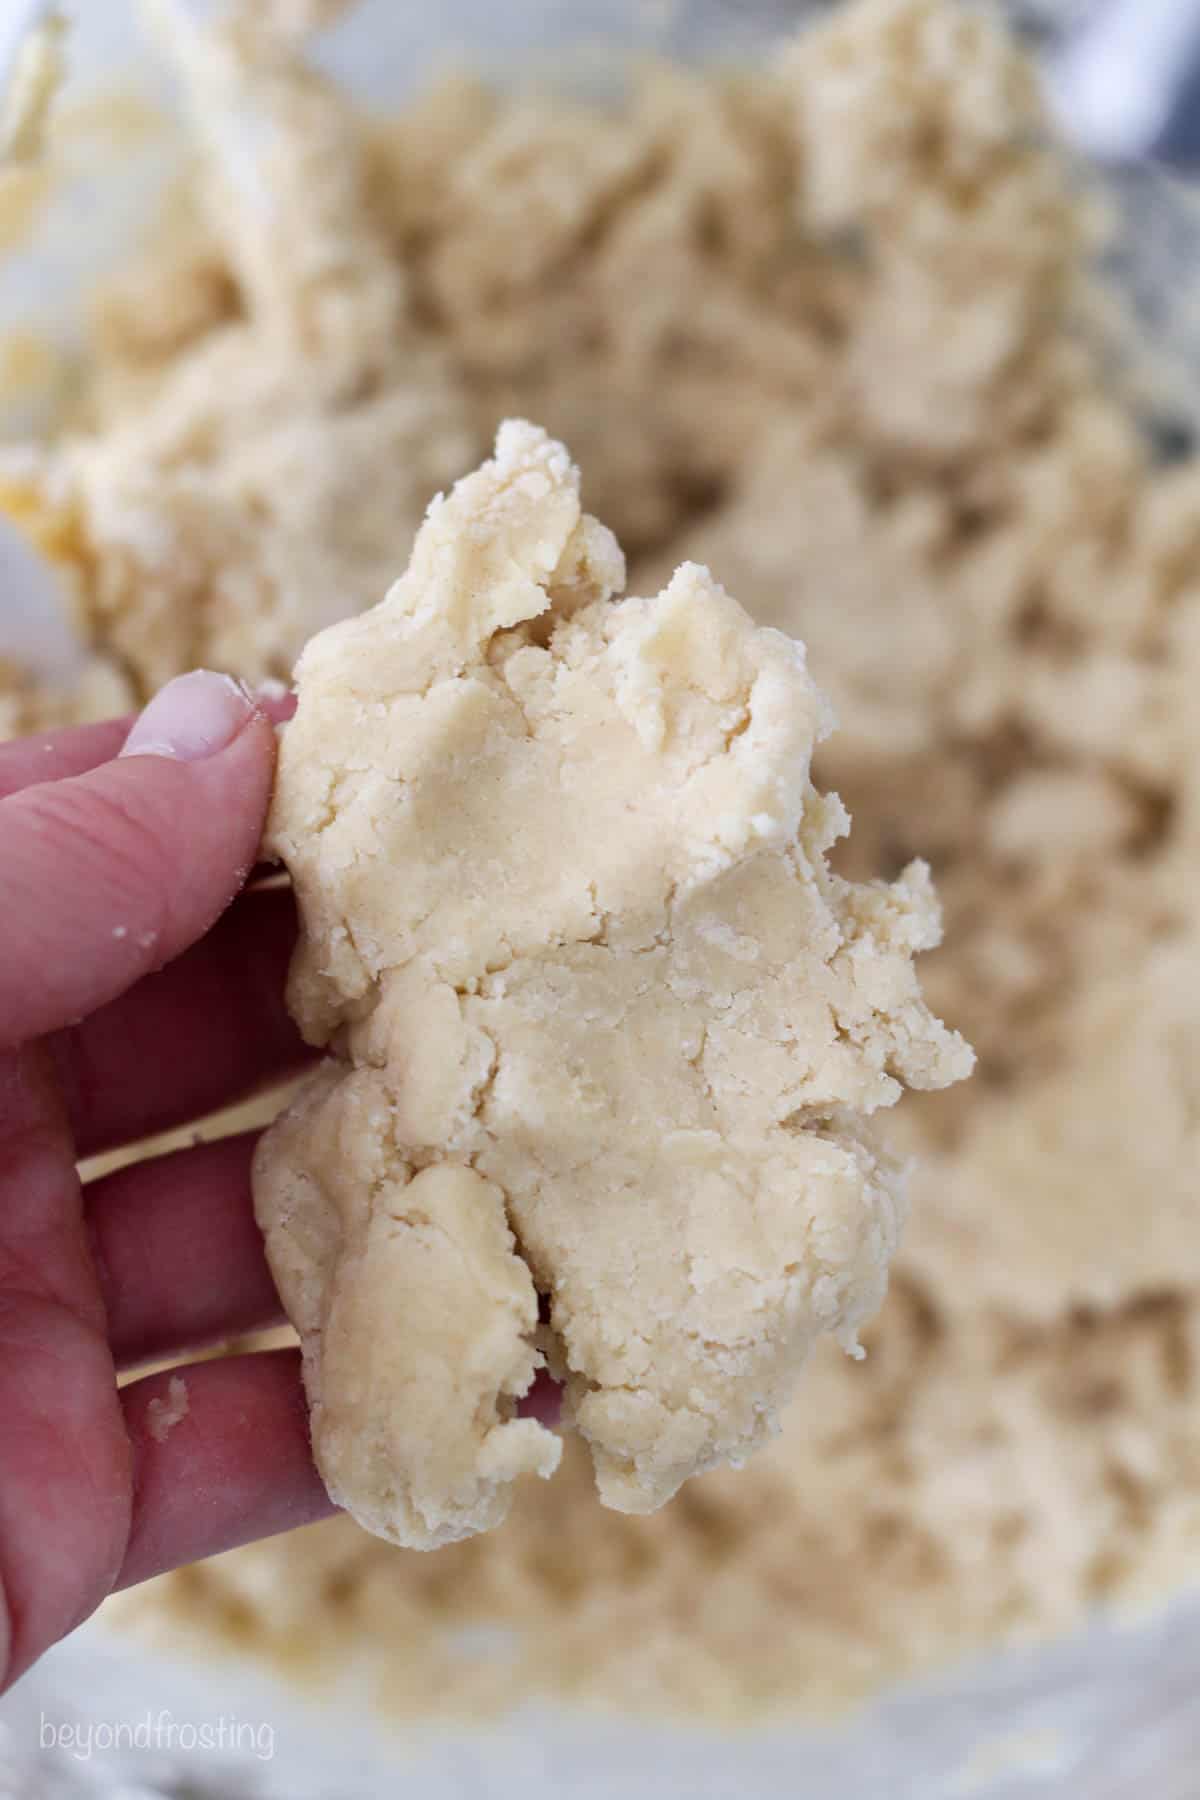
x=1103, y=1716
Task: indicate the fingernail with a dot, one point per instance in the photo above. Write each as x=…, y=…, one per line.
x=194, y=716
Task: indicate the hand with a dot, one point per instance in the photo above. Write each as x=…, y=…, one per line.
x=139, y=989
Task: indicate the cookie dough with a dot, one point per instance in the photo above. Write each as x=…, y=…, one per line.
x=262, y=425
x=606, y=1027
x=828, y=325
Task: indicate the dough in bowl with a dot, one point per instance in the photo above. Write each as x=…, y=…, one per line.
x=603, y=1026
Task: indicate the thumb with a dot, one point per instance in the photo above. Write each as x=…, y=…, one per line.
x=106, y=876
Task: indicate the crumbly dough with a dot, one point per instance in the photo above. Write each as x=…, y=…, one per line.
x=605, y=1022
x=829, y=328
x=969, y=1483
x=162, y=1416
x=264, y=426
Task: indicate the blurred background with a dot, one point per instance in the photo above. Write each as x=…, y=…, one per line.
x=897, y=327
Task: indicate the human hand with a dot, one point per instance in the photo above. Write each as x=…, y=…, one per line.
x=139, y=989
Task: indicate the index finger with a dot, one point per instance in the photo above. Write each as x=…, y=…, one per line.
x=112, y=873
x=74, y=749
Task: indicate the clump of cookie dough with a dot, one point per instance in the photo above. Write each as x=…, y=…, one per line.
x=604, y=1025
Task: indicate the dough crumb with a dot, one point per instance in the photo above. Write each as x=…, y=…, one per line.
x=162, y=1416
x=604, y=1026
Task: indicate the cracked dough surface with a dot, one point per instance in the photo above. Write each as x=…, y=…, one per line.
x=605, y=1023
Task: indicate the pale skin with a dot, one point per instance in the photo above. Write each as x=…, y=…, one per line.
x=141, y=986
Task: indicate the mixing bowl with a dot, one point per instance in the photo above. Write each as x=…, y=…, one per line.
x=1111, y=1711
